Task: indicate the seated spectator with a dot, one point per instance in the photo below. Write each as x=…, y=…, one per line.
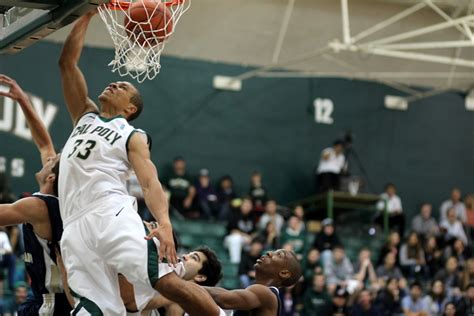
x=414, y=304
x=295, y=234
x=437, y=298
x=241, y=230
x=7, y=259
x=412, y=258
x=271, y=215
x=433, y=256
x=257, y=191
x=450, y=310
x=338, y=269
x=424, y=224
x=269, y=237
x=288, y=304
x=456, y=203
x=365, y=305
x=450, y=275
x=340, y=302
x=206, y=197
x=247, y=263
x=134, y=189
x=391, y=245
x=316, y=299
x=469, y=204
x=326, y=240
x=396, y=218
x=312, y=265
x=464, y=306
x=389, y=270
x=389, y=298
x=331, y=164
x=364, y=270
x=225, y=196
x=298, y=211
x=21, y=295
x=467, y=276
x=180, y=187
x=452, y=227
x=458, y=250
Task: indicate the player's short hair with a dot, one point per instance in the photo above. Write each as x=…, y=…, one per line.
x=136, y=100
x=55, y=170
x=211, y=267
x=295, y=269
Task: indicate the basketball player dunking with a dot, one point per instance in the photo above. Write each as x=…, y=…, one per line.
x=276, y=269
x=103, y=233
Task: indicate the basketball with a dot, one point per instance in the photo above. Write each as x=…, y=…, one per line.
x=148, y=22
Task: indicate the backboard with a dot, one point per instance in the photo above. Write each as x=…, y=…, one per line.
x=24, y=22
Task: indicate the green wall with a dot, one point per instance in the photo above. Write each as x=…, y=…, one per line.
x=269, y=126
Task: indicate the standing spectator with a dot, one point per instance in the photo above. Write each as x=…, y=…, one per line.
x=326, y=240
x=257, y=191
x=412, y=257
x=331, y=164
x=338, y=269
x=424, y=224
x=389, y=298
x=469, y=204
x=181, y=190
x=437, y=299
x=364, y=269
x=389, y=270
x=456, y=203
x=316, y=299
x=394, y=209
x=365, y=306
x=311, y=265
x=225, y=196
x=433, y=256
x=271, y=215
x=247, y=264
x=295, y=234
x=452, y=227
x=206, y=196
x=414, y=304
x=391, y=245
x=241, y=229
x=269, y=237
x=450, y=275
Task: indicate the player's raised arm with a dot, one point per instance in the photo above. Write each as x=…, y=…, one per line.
x=39, y=132
x=73, y=81
x=253, y=297
x=155, y=198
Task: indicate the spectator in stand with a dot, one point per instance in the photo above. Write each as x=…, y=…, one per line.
x=312, y=265
x=469, y=204
x=21, y=295
x=433, y=256
x=247, y=263
x=414, y=304
x=6, y=195
x=391, y=245
x=271, y=215
x=298, y=211
x=364, y=270
x=326, y=240
x=287, y=298
x=181, y=190
x=389, y=298
x=7, y=259
x=295, y=234
x=269, y=237
x=389, y=270
x=424, y=224
x=467, y=276
x=365, y=305
x=134, y=189
x=338, y=269
x=241, y=230
x=316, y=299
x=437, y=299
x=340, y=302
x=456, y=203
x=257, y=191
x=206, y=196
x=464, y=306
x=331, y=164
x=450, y=275
x=450, y=310
x=412, y=258
x=225, y=196
x=458, y=250
x=396, y=218
x=452, y=227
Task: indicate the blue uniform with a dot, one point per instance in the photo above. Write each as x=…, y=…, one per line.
x=274, y=291
x=40, y=260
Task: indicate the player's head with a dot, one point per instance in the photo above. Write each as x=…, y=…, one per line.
x=47, y=176
x=123, y=97
x=202, y=267
x=281, y=267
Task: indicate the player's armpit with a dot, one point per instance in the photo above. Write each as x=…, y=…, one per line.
x=252, y=297
x=28, y=210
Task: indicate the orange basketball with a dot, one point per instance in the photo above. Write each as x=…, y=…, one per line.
x=150, y=22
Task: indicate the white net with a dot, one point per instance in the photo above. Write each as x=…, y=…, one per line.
x=140, y=30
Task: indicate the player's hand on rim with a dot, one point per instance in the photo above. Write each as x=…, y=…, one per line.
x=164, y=233
x=15, y=92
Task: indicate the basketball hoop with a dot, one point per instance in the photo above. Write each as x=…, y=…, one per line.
x=140, y=30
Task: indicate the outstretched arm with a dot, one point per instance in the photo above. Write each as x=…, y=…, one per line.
x=28, y=210
x=38, y=129
x=253, y=297
x=73, y=81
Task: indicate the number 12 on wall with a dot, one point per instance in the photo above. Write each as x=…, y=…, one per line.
x=323, y=109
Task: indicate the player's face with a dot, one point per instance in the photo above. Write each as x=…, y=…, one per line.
x=47, y=171
x=273, y=261
x=193, y=262
x=118, y=94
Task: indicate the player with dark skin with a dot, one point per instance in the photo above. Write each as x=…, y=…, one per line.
x=275, y=269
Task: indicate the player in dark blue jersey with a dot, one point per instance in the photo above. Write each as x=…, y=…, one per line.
x=39, y=214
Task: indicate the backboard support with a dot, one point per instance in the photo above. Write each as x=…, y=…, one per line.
x=23, y=23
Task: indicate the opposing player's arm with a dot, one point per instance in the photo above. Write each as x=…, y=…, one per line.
x=63, y=272
x=253, y=297
x=73, y=81
x=153, y=193
x=28, y=210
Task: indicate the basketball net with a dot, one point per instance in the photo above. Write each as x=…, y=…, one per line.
x=138, y=51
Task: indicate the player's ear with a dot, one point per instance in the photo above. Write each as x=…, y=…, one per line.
x=284, y=274
x=131, y=109
x=200, y=278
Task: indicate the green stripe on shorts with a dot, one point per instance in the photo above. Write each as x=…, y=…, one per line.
x=87, y=304
x=153, y=273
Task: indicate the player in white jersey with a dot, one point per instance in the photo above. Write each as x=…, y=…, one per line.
x=103, y=234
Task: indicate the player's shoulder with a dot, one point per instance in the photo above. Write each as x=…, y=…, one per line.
x=263, y=292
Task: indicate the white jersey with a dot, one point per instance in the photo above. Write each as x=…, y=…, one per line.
x=94, y=164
